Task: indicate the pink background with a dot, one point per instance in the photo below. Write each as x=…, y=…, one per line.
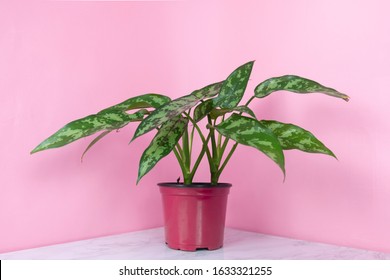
x=63, y=60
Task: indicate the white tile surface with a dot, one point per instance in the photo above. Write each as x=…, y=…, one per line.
x=149, y=244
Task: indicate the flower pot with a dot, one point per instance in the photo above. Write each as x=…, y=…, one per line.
x=194, y=215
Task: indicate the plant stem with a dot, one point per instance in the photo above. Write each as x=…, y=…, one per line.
x=214, y=171
x=181, y=163
x=250, y=100
x=213, y=168
x=222, y=151
x=199, y=159
x=212, y=134
x=179, y=150
x=219, y=135
x=227, y=159
x=232, y=149
x=219, y=143
x=192, y=139
x=186, y=149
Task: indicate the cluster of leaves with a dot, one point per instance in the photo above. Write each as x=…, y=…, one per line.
x=179, y=119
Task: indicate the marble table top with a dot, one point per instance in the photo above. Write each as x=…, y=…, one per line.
x=149, y=245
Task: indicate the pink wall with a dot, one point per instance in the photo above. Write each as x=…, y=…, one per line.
x=63, y=60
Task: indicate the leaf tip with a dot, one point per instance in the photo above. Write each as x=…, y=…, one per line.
x=35, y=150
x=135, y=136
x=284, y=175
x=330, y=153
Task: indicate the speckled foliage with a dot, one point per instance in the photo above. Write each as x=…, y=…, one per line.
x=294, y=137
x=295, y=84
x=251, y=132
x=107, y=120
x=162, y=144
x=150, y=100
x=234, y=87
x=175, y=108
x=218, y=105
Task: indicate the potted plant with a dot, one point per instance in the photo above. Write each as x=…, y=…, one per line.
x=195, y=212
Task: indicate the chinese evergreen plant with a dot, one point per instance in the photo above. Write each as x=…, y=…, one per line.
x=179, y=119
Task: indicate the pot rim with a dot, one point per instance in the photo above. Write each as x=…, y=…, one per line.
x=194, y=185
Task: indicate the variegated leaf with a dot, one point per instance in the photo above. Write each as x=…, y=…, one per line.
x=215, y=113
x=292, y=136
x=162, y=144
x=208, y=91
x=89, y=125
x=251, y=132
x=203, y=109
x=234, y=87
x=175, y=108
x=142, y=101
x=295, y=84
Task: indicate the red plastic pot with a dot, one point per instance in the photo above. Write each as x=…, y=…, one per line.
x=194, y=215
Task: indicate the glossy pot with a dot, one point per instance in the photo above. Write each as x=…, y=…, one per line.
x=194, y=215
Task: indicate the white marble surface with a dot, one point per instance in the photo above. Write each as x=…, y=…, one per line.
x=149, y=245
